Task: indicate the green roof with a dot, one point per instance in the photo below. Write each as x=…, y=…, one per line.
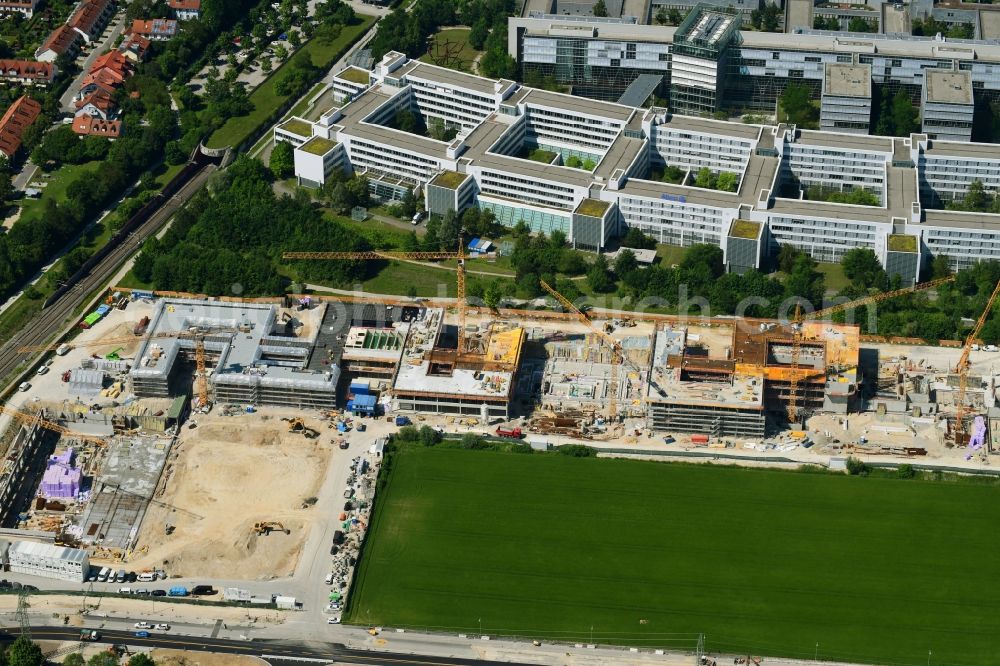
x=902, y=243
x=592, y=207
x=745, y=229
x=355, y=75
x=296, y=126
x=449, y=179
x=318, y=145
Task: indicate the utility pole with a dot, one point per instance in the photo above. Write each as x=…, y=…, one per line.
x=22, y=612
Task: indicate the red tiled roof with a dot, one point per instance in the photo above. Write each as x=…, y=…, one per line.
x=19, y=3
x=105, y=78
x=19, y=115
x=114, y=61
x=137, y=44
x=88, y=15
x=189, y=5
x=27, y=69
x=100, y=98
x=60, y=40
x=87, y=126
x=154, y=27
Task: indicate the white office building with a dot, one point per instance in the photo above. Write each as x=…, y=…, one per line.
x=591, y=169
x=846, y=104
x=947, y=105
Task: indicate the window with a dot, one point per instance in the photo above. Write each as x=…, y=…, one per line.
x=775, y=55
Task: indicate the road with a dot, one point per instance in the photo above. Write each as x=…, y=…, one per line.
x=106, y=40
x=268, y=650
x=45, y=324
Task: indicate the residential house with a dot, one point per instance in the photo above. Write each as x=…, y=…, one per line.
x=135, y=48
x=157, y=30
x=97, y=104
x=185, y=10
x=26, y=7
x=90, y=126
x=63, y=39
x=27, y=72
x=90, y=18
x=18, y=117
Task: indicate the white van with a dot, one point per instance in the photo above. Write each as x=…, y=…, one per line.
x=103, y=576
x=416, y=218
x=147, y=577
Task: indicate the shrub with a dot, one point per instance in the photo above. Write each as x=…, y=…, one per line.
x=428, y=436
x=906, y=472
x=856, y=467
x=577, y=451
x=471, y=440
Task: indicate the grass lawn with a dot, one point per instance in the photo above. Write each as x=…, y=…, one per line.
x=55, y=190
x=429, y=281
x=762, y=561
x=670, y=254
x=451, y=49
x=833, y=275
x=266, y=101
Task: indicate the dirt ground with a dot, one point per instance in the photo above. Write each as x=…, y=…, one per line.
x=186, y=658
x=232, y=474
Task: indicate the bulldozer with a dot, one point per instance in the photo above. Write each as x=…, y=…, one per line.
x=266, y=527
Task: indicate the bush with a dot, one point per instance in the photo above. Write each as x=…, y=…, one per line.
x=577, y=451
x=408, y=434
x=906, y=472
x=428, y=436
x=856, y=467
x=473, y=441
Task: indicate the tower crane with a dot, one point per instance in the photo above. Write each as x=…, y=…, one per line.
x=962, y=367
x=825, y=312
x=415, y=256
x=187, y=333
x=29, y=419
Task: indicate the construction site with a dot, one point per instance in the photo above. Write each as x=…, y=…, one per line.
x=139, y=438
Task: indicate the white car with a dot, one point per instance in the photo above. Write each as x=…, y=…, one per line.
x=143, y=625
x=162, y=627
x=333, y=620
x=24, y=386
x=42, y=370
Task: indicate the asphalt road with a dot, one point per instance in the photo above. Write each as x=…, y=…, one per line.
x=273, y=651
x=45, y=324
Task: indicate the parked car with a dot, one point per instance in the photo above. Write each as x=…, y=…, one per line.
x=143, y=625
x=142, y=634
x=333, y=620
x=42, y=370
x=162, y=627
x=158, y=593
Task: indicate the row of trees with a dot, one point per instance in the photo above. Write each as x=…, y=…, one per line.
x=977, y=199
x=929, y=27
x=25, y=652
x=229, y=239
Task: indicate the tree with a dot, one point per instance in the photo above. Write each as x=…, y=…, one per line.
x=804, y=281
x=451, y=225
x=904, y=115
x=75, y=659
x=141, y=659
x=625, y=263
x=479, y=34
x=406, y=121
x=705, y=178
x=282, y=161
x=600, y=9
x=598, y=276
x=674, y=16
x=103, y=659
x=23, y=652
x=856, y=467
x=662, y=16
x=726, y=181
x=862, y=267
x=427, y=436
x=976, y=198
x=635, y=238
x=940, y=266
x=858, y=24
x=906, y=471
x=796, y=104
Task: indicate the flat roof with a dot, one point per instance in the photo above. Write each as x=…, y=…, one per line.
x=798, y=14
x=963, y=149
x=582, y=105
x=318, y=145
x=355, y=75
x=902, y=243
x=745, y=229
x=826, y=209
x=948, y=87
x=297, y=126
x=841, y=80
x=989, y=24
x=451, y=77
x=851, y=142
x=592, y=207
x=365, y=104
x=709, y=126
x=961, y=220
x=449, y=179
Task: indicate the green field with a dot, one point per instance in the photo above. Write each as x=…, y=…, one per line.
x=761, y=561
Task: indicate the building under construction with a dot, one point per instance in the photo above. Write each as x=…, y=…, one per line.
x=478, y=380
x=254, y=358
x=730, y=391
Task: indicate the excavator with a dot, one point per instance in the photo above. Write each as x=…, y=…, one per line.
x=266, y=527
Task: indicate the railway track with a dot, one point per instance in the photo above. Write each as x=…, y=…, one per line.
x=52, y=319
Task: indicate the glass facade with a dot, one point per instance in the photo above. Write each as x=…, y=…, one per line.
x=538, y=221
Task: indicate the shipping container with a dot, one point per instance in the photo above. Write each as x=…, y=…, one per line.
x=699, y=439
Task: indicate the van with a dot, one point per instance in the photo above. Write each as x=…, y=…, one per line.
x=24, y=386
x=121, y=576
x=62, y=349
x=147, y=577
x=103, y=576
x=416, y=218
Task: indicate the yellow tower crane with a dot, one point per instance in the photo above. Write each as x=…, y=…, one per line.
x=962, y=367
x=825, y=312
x=28, y=419
x=414, y=256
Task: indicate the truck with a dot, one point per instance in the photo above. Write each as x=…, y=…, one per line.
x=511, y=433
x=177, y=591
x=62, y=349
x=141, y=327
x=90, y=320
x=402, y=420
x=236, y=594
x=89, y=635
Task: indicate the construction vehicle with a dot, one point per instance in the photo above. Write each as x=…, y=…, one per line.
x=962, y=368
x=141, y=327
x=89, y=635
x=294, y=424
x=28, y=419
x=266, y=527
x=511, y=433
x=794, y=379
